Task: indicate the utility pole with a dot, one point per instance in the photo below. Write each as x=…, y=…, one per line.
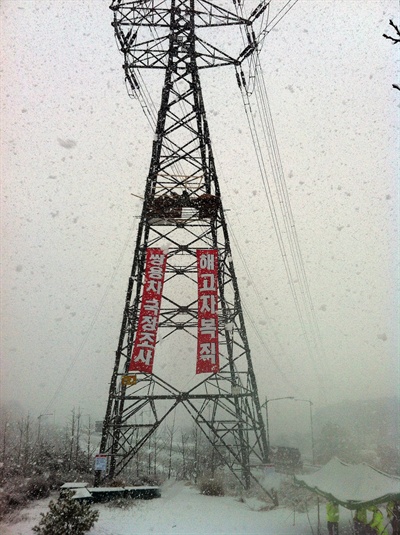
x=265, y=404
x=311, y=428
x=183, y=281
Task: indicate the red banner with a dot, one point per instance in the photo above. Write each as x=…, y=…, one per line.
x=146, y=334
x=207, y=326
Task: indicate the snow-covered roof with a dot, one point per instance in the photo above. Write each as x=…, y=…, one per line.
x=74, y=485
x=82, y=493
x=120, y=489
x=351, y=485
x=107, y=489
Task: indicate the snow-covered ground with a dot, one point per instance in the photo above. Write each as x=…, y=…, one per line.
x=182, y=510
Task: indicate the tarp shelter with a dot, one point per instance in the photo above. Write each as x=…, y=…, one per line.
x=351, y=485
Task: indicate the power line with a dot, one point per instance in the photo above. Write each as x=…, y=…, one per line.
x=85, y=338
x=292, y=259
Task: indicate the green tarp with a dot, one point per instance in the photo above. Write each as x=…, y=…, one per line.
x=351, y=485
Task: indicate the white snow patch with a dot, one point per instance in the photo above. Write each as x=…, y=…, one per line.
x=182, y=510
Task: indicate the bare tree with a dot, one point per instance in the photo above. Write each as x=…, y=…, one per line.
x=90, y=448
x=170, y=434
x=183, y=451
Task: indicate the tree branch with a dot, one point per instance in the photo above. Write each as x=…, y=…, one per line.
x=391, y=38
x=396, y=29
x=393, y=25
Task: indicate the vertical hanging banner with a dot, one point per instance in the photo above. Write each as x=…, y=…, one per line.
x=207, y=326
x=146, y=334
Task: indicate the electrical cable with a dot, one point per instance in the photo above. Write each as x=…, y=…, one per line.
x=271, y=25
x=271, y=143
x=248, y=314
x=280, y=188
x=291, y=223
x=257, y=293
x=286, y=210
x=91, y=326
x=275, y=219
x=253, y=62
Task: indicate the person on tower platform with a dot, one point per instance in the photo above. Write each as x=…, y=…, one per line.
x=332, y=518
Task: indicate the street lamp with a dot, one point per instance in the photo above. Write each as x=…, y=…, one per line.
x=266, y=411
x=312, y=427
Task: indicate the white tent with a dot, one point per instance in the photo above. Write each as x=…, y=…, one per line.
x=351, y=485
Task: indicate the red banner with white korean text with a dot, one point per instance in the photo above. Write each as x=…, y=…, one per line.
x=207, y=326
x=146, y=334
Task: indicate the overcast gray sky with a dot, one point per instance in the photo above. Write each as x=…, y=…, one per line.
x=75, y=146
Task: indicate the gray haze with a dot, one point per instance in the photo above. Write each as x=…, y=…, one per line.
x=75, y=148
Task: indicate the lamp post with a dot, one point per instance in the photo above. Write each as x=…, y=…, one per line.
x=266, y=411
x=312, y=427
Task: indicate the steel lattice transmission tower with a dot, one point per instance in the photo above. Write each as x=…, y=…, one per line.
x=182, y=213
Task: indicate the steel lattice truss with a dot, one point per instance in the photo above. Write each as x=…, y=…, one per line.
x=182, y=212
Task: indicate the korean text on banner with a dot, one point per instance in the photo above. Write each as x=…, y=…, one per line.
x=146, y=334
x=207, y=327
